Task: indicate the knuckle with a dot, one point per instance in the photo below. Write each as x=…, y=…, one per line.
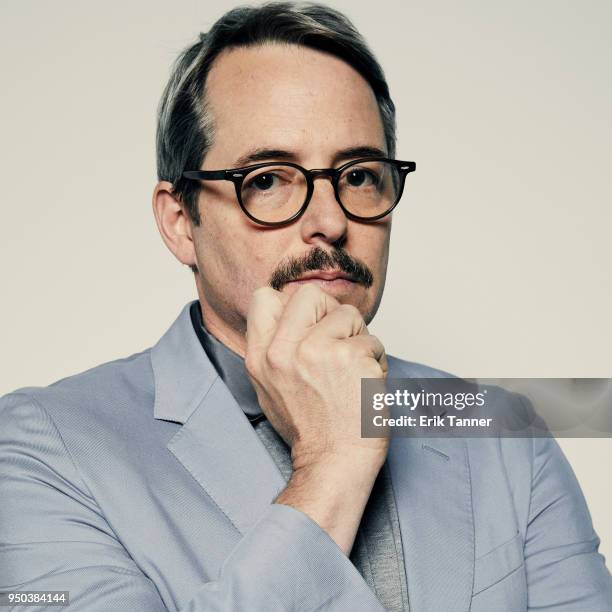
x=350, y=311
x=262, y=291
x=376, y=343
x=277, y=356
x=343, y=353
x=251, y=364
x=307, y=352
x=262, y=295
x=352, y=315
x=371, y=369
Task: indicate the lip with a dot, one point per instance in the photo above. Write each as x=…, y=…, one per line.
x=328, y=275
x=336, y=283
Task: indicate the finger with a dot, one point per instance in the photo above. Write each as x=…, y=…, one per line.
x=305, y=308
x=265, y=310
x=370, y=346
x=343, y=322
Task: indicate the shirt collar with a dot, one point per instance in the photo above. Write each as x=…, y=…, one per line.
x=229, y=365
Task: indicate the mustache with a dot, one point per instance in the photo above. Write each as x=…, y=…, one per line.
x=320, y=259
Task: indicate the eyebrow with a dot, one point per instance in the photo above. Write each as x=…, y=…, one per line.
x=265, y=154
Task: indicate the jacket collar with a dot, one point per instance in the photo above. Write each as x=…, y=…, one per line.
x=182, y=371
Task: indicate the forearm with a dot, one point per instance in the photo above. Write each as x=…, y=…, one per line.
x=333, y=492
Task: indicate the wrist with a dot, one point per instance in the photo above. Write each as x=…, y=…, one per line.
x=368, y=457
x=351, y=465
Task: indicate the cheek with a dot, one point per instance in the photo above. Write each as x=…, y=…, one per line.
x=218, y=243
x=372, y=247
x=238, y=262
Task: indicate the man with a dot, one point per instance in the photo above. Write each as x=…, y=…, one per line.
x=223, y=469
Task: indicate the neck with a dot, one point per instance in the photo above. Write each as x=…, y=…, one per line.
x=232, y=337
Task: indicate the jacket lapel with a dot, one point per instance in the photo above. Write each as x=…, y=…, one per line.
x=216, y=442
x=432, y=488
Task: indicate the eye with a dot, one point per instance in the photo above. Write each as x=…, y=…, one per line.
x=264, y=182
x=360, y=177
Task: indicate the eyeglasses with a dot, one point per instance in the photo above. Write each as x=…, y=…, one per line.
x=276, y=193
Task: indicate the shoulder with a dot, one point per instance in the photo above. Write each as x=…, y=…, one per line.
x=118, y=391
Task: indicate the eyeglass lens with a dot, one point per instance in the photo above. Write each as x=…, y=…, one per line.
x=276, y=192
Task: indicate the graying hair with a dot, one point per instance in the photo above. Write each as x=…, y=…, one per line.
x=185, y=129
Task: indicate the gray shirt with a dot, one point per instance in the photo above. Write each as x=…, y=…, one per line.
x=377, y=552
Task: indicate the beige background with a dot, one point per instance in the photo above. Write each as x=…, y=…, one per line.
x=501, y=263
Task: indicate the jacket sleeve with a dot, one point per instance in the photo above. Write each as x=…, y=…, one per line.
x=565, y=571
x=53, y=536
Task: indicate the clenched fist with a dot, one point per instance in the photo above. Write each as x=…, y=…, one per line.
x=306, y=356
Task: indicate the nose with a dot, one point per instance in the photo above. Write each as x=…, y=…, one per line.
x=324, y=220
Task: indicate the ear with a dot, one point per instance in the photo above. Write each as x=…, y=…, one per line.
x=174, y=223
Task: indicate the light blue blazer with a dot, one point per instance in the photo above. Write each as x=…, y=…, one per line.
x=141, y=485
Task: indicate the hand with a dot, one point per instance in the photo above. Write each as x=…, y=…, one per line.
x=306, y=356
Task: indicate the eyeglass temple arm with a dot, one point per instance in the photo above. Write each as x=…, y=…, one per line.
x=210, y=175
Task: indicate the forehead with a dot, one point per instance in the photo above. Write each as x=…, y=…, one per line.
x=292, y=97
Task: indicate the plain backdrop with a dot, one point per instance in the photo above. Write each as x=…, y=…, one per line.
x=501, y=255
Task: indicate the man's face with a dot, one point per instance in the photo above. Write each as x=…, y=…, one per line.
x=312, y=106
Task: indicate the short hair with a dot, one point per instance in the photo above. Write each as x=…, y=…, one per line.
x=185, y=129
